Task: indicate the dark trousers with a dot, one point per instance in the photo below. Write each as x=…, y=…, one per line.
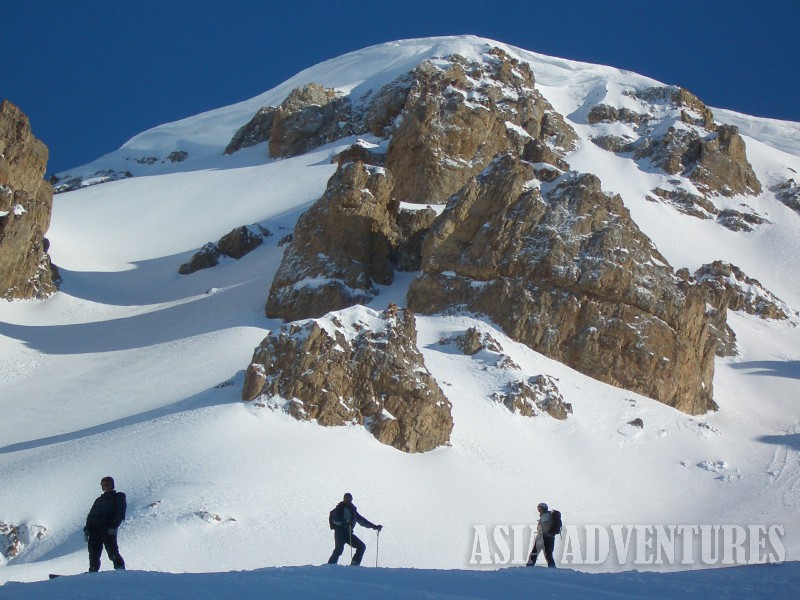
x=549, y=546
x=97, y=540
x=344, y=536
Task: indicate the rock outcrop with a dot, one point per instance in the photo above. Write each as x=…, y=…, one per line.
x=355, y=366
x=728, y=288
x=676, y=132
x=788, y=192
x=459, y=114
x=235, y=244
x=703, y=208
x=16, y=539
x=456, y=115
x=567, y=272
x=341, y=247
x=26, y=202
x=536, y=395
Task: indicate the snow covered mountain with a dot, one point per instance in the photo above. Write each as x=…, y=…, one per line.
x=135, y=370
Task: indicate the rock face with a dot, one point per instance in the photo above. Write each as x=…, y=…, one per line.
x=728, y=288
x=456, y=115
x=26, y=202
x=676, y=132
x=341, y=247
x=556, y=263
x=356, y=366
x=459, y=114
x=565, y=270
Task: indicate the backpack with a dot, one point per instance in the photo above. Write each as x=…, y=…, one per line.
x=555, y=522
x=330, y=519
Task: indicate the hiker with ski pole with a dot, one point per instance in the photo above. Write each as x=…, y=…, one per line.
x=342, y=520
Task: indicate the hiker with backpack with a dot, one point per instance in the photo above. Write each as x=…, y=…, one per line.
x=342, y=520
x=546, y=531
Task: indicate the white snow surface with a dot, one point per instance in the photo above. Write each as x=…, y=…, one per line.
x=135, y=371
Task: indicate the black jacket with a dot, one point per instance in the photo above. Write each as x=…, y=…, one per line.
x=107, y=512
x=345, y=516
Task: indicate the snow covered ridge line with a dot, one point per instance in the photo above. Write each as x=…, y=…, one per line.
x=634, y=546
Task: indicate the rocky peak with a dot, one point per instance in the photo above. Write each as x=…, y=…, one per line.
x=676, y=132
x=460, y=114
x=355, y=366
x=562, y=268
x=26, y=202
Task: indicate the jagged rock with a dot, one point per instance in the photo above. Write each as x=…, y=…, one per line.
x=412, y=225
x=309, y=117
x=355, y=366
x=342, y=246
x=603, y=113
x=177, y=156
x=712, y=156
x=473, y=341
x=361, y=151
x=205, y=258
x=67, y=183
x=788, y=192
x=26, y=203
x=384, y=107
x=235, y=244
x=15, y=539
x=537, y=394
x=688, y=203
x=456, y=115
x=703, y=208
x=739, y=221
x=728, y=288
x=459, y=115
x=572, y=276
x=256, y=131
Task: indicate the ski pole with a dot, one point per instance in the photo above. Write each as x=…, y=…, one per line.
x=351, y=542
x=377, y=547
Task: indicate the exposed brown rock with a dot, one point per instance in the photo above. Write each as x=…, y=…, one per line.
x=26, y=202
x=255, y=131
x=728, y=288
x=309, y=117
x=570, y=275
x=458, y=117
x=357, y=366
x=712, y=156
x=342, y=246
x=537, y=394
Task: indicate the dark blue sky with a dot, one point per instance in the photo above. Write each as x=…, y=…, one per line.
x=92, y=74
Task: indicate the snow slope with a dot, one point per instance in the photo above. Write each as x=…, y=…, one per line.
x=321, y=583
x=135, y=371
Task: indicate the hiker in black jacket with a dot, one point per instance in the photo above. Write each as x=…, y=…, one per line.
x=105, y=517
x=343, y=520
